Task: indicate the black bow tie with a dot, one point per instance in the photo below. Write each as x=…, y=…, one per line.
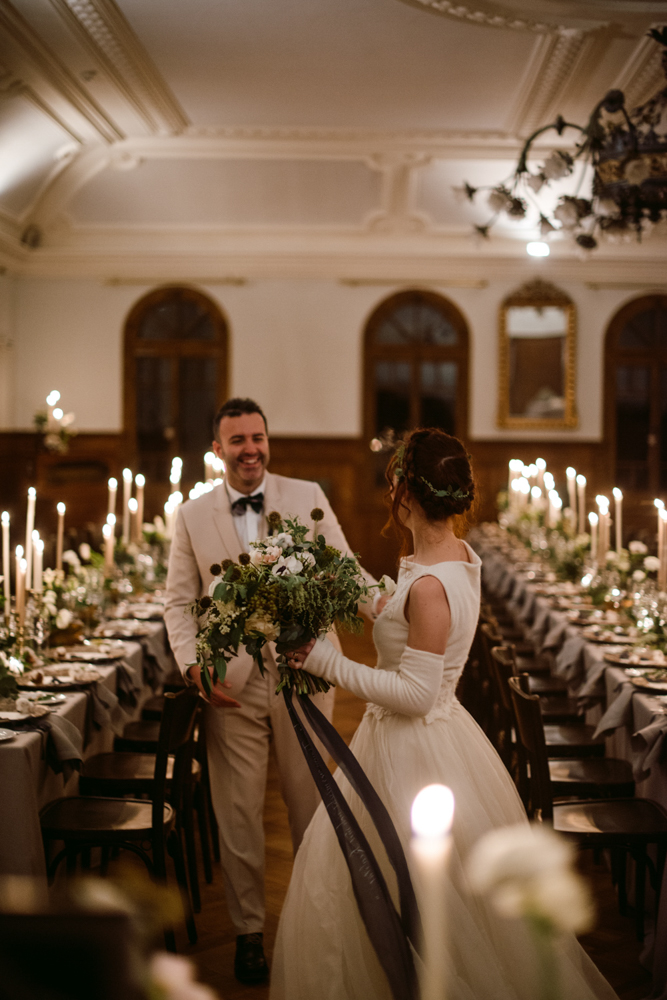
x=255, y=502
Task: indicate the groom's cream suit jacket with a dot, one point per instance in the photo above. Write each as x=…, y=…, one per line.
x=205, y=534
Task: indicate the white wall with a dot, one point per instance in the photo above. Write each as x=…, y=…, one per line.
x=296, y=346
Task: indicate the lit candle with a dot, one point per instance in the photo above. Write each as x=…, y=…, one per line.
x=60, y=536
x=603, y=511
x=108, y=532
x=132, y=507
x=662, y=572
x=541, y=468
x=140, y=483
x=38, y=549
x=571, y=487
x=536, y=497
x=6, y=562
x=661, y=541
x=558, y=506
x=524, y=490
x=113, y=490
x=593, y=521
x=29, y=527
x=168, y=515
x=209, y=459
x=127, y=491
x=176, y=473
x=432, y=815
x=618, y=510
x=35, y=545
x=581, y=493
x=20, y=583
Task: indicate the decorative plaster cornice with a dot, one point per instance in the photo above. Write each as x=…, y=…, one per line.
x=35, y=56
x=555, y=59
x=642, y=76
x=107, y=35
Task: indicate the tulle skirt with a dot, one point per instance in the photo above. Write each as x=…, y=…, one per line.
x=322, y=950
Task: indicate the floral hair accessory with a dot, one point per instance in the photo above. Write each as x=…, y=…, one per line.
x=449, y=492
x=400, y=452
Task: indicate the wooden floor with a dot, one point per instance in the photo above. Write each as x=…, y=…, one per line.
x=612, y=945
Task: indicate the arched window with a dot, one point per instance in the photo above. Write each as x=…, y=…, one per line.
x=175, y=379
x=636, y=394
x=416, y=365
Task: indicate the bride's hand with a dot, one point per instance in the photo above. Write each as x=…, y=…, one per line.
x=297, y=657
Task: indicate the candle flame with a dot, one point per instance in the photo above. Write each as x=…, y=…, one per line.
x=132, y=505
x=106, y=530
x=659, y=504
x=433, y=811
x=140, y=480
x=581, y=480
x=570, y=472
x=113, y=484
x=127, y=475
x=540, y=463
x=111, y=519
x=35, y=536
x=5, y=517
x=19, y=551
x=618, y=495
x=32, y=492
x=61, y=508
x=593, y=519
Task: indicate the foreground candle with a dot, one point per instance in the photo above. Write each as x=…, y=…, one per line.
x=60, y=536
x=662, y=572
x=593, y=521
x=107, y=531
x=132, y=507
x=432, y=815
x=571, y=487
x=20, y=583
x=38, y=549
x=6, y=562
x=29, y=527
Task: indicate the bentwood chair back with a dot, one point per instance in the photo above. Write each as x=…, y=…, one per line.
x=84, y=822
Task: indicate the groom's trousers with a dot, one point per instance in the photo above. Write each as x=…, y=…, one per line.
x=238, y=741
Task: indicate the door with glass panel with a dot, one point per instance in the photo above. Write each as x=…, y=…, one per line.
x=637, y=394
x=175, y=380
x=416, y=365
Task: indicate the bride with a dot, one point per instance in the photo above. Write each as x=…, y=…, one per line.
x=415, y=733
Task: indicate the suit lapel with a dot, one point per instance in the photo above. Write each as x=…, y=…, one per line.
x=224, y=524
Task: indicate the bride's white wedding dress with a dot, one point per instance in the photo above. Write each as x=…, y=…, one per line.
x=414, y=733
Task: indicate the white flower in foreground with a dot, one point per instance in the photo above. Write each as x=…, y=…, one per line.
x=71, y=558
x=582, y=539
x=64, y=618
x=84, y=551
x=611, y=556
x=283, y=539
x=213, y=584
x=307, y=558
x=557, y=165
x=639, y=575
x=265, y=556
x=527, y=872
x=287, y=566
x=174, y=976
x=388, y=585
x=637, y=548
x=651, y=564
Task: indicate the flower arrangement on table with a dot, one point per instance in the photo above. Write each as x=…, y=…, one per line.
x=288, y=589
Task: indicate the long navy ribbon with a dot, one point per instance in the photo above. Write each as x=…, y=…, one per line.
x=385, y=928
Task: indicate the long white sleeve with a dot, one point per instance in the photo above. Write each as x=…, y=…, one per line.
x=410, y=690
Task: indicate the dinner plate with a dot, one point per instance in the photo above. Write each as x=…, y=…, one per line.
x=40, y=698
x=648, y=685
x=623, y=660
x=126, y=628
x=609, y=638
x=63, y=677
x=13, y=716
x=6, y=735
x=90, y=654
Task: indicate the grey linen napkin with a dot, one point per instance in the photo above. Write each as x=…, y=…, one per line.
x=618, y=714
x=128, y=685
x=648, y=745
x=64, y=746
x=570, y=659
x=106, y=710
x=555, y=636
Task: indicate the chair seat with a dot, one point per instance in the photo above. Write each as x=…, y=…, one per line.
x=591, y=776
x=80, y=817
x=124, y=769
x=562, y=711
x=153, y=708
x=573, y=741
x=612, y=819
x=545, y=684
x=139, y=737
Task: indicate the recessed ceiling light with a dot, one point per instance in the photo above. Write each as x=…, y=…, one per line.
x=538, y=249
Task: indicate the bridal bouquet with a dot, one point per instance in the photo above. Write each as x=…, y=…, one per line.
x=286, y=590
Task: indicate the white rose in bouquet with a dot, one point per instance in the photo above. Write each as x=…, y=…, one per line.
x=639, y=575
x=651, y=564
x=64, y=618
x=260, y=623
x=71, y=558
x=287, y=566
x=388, y=585
x=637, y=548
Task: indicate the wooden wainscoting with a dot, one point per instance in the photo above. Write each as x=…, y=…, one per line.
x=345, y=467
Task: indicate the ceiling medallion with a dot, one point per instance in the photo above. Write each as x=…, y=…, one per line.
x=546, y=16
x=628, y=154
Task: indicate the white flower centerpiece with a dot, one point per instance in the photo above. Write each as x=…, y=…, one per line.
x=527, y=872
x=286, y=590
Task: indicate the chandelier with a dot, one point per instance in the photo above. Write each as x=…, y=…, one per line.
x=628, y=156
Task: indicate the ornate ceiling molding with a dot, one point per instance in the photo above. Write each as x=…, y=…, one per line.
x=29, y=57
x=555, y=58
x=642, y=76
x=100, y=25
x=549, y=16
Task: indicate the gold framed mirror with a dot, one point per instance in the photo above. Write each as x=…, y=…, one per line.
x=537, y=359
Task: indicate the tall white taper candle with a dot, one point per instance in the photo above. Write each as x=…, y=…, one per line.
x=60, y=535
x=29, y=527
x=7, y=584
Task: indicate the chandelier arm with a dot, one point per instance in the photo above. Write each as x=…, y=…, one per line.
x=559, y=126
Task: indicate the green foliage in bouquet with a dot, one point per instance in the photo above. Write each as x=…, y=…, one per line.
x=287, y=590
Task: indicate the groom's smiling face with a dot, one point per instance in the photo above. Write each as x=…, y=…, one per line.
x=243, y=445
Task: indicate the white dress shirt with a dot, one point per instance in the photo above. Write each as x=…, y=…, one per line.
x=247, y=525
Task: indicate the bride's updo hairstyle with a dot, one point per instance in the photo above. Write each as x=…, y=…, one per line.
x=434, y=469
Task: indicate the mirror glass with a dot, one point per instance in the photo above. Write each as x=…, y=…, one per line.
x=537, y=359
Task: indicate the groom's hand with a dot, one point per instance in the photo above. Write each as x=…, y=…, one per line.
x=216, y=697
x=297, y=657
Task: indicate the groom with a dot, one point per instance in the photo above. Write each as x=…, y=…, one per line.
x=244, y=714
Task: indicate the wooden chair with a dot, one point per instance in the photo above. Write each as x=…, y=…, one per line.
x=84, y=821
x=625, y=825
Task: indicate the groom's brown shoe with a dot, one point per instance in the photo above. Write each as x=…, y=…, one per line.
x=250, y=965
